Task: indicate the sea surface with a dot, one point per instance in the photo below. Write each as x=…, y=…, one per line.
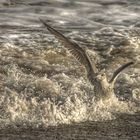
x=44, y=91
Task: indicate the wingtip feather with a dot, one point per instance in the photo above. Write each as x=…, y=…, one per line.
x=119, y=70
x=45, y=24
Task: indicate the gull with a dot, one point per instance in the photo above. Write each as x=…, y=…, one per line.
x=103, y=87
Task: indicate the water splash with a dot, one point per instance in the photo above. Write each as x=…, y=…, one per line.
x=43, y=85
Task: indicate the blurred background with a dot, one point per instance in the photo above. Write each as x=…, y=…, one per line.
x=71, y=14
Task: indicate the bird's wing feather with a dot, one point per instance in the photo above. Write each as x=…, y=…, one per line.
x=74, y=48
x=79, y=53
x=119, y=70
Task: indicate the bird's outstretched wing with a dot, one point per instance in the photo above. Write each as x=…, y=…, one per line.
x=78, y=52
x=119, y=70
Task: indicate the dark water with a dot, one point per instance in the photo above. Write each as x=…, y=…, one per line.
x=124, y=128
x=44, y=90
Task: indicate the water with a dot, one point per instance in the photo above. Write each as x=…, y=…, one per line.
x=44, y=91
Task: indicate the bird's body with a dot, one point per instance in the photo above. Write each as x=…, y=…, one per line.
x=102, y=87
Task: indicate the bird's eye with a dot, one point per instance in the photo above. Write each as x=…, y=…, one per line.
x=102, y=74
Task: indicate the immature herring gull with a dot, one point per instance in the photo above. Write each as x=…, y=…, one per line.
x=102, y=86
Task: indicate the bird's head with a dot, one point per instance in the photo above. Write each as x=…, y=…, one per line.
x=102, y=76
